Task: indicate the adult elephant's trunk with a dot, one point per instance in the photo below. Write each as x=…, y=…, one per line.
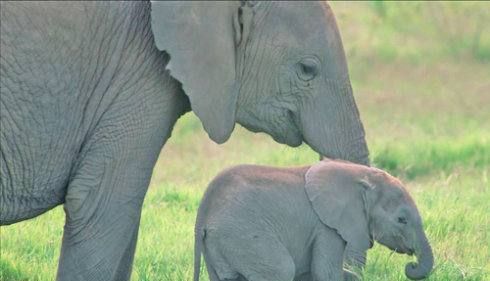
x=331, y=124
x=425, y=259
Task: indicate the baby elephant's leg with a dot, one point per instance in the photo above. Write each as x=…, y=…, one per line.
x=355, y=262
x=351, y=276
x=258, y=257
x=327, y=257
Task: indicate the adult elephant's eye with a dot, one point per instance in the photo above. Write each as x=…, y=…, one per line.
x=307, y=69
x=402, y=220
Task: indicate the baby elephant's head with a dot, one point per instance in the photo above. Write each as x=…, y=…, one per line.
x=365, y=204
x=394, y=221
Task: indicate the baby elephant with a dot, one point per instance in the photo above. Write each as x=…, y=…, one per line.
x=260, y=223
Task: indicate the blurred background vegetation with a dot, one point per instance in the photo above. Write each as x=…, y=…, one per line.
x=421, y=78
x=418, y=31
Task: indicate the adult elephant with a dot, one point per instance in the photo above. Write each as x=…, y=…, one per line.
x=87, y=104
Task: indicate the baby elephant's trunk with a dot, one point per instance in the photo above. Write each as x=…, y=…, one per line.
x=425, y=260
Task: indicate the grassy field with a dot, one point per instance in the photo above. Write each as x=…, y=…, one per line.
x=423, y=91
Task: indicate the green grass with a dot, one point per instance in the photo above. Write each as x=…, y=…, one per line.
x=454, y=206
x=425, y=102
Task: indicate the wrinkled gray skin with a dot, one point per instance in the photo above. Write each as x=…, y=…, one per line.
x=263, y=223
x=87, y=104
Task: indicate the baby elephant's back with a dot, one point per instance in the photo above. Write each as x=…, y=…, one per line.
x=258, y=195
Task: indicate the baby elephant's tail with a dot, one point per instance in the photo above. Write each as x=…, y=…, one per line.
x=198, y=236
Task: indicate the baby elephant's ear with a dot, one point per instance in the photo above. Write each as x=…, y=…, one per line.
x=336, y=195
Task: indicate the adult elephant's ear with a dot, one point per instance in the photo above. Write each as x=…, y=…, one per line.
x=200, y=39
x=337, y=197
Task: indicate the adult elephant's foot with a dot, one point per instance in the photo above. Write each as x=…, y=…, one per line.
x=98, y=258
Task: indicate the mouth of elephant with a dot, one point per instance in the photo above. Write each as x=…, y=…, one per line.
x=409, y=251
x=293, y=141
x=404, y=250
x=290, y=137
x=285, y=130
x=287, y=134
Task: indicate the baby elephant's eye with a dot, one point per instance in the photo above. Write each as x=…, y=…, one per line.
x=402, y=220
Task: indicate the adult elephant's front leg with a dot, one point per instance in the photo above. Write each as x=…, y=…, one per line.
x=101, y=223
x=105, y=196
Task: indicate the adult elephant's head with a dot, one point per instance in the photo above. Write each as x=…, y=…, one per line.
x=273, y=67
